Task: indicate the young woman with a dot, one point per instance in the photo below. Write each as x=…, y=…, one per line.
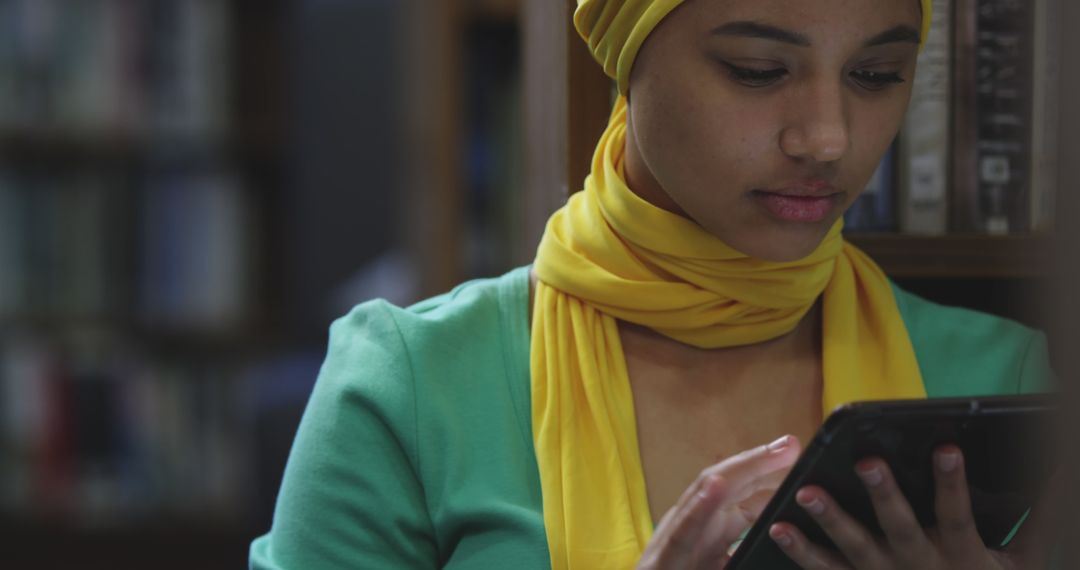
x=695, y=300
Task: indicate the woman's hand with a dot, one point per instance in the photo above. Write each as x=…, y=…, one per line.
x=715, y=510
x=955, y=543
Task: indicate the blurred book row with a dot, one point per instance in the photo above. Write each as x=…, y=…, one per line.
x=128, y=67
x=98, y=434
x=977, y=152
x=169, y=248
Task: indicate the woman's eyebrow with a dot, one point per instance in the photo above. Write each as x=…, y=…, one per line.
x=748, y=29
x=901, y=33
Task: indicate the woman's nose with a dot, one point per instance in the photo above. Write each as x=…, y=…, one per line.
x=818, y=129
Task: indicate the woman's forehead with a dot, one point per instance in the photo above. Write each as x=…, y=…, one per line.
x=805, y=15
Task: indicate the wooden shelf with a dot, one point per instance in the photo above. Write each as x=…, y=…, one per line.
x=47, y=145
x=969, y=256
x=181, y=338
x=500, y=10
x=204, y=544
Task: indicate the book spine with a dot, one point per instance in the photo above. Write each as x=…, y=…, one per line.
x=875, y=209
x=963, y=203
x=24, y=418
x=1045, y=113
x=993, y=143
x=187, y=49
x=924, y=142
x=12, y=234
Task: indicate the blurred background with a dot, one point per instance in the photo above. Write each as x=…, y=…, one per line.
x=192, y=190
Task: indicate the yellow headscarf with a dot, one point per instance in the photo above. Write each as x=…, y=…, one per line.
x=609, y=255
x=615, y=30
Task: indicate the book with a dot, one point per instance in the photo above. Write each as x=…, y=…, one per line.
x=875, y=209
x=1045, y=113
x=186, y=50
x=91, y=68
x=12, y=234
x=41, y=236
x=98, y=434
x=992, y=150
x=88, y=68
x=85, y=215
x=26, y=55
x=924, y=141
x=195, y=279
x=24, y=402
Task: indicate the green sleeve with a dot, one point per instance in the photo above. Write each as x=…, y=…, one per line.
x=350, y=496
x=964, y=353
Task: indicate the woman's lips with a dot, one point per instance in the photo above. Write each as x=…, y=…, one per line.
x=796, y=207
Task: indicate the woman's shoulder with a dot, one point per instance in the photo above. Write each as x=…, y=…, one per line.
x=407, y=418
x=927, y=318
x=965, y=352
x=445, y=346
x=469, y=310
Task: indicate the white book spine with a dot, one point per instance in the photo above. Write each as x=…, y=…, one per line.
x=924, y=137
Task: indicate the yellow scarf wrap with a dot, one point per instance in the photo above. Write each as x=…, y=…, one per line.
x=609, y=255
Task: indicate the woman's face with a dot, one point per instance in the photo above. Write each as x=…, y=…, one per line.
x=763, y=120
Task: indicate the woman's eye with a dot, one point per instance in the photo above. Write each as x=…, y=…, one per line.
x=756, y=77
x=876, y=80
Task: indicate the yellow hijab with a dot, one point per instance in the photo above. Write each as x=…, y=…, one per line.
x=609, y=255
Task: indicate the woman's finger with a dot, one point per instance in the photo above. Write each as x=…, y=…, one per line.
x=755, y=469
x=720, y=548
x=731, y=468
x=907, y=539
x=683, y=541
x=958, y=536
x=677, y=537
x=693, y=493
x=680, y=540
x=858, y=546
x=806, y=554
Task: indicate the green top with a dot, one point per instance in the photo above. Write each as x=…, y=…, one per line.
x=416, y=450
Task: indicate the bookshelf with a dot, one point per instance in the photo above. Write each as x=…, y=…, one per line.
x=959, y=256
x=141, y=146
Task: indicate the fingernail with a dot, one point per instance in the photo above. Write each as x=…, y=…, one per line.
x=948, y=460
x=872, y=476
x=709, y=488
x=815, y=505
x=780, y=444
x=783, y=539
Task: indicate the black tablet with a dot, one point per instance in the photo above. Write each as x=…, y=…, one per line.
x=1003, y=440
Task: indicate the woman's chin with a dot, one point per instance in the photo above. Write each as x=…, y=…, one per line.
x=779, y=245
x=785, y=255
